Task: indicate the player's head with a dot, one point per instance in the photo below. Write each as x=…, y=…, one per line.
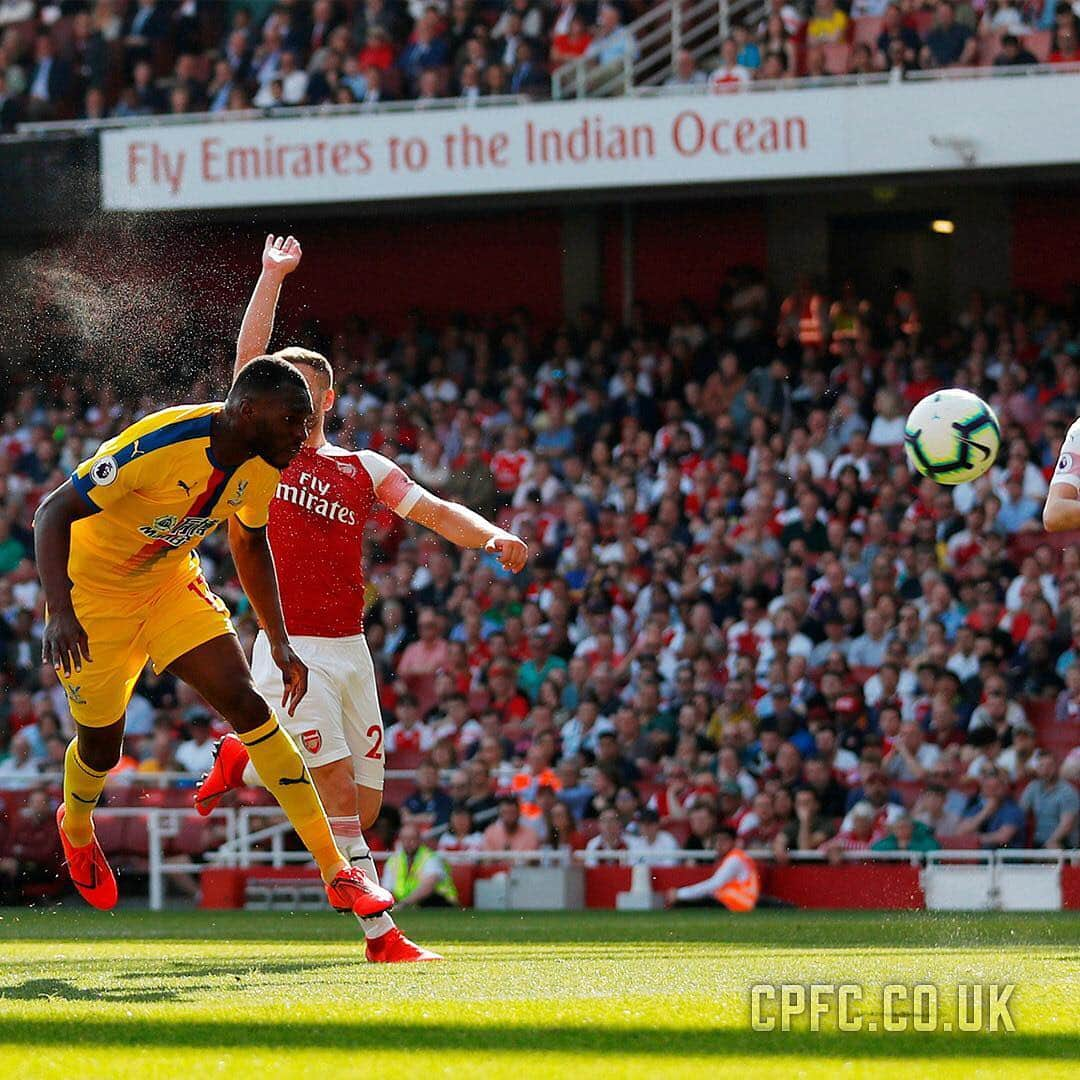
x=272, y=408
x=318, y=374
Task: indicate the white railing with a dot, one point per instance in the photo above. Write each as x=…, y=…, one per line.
x=698, y=26
x=244, y=834
x=375, y=108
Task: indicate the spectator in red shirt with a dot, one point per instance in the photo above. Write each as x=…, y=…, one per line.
x=422, y=659
x=572, y=44
x=1066, y=45
x=35, y=843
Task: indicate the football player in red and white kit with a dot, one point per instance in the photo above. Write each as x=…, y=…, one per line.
x=324, y=500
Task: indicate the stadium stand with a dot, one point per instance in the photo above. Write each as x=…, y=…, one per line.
x=116, y=59
x=741, y=604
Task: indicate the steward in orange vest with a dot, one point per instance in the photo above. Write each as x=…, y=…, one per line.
x=735, y=882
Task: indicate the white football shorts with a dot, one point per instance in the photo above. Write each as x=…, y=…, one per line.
x=339, y=716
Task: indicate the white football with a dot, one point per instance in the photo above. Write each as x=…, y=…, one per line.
x=952, y=436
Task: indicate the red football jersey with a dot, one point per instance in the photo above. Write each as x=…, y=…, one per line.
x=317, y=519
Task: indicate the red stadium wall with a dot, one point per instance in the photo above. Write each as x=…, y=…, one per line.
x=682, y=250
x=871, y=886
x=1046, y=243
x=383, y=269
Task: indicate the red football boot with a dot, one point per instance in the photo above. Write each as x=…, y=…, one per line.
x=90, y=871
x=230, y=760
x=353, y=891
x=394, y=947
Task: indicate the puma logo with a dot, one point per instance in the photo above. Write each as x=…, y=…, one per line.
x=187, y=489
x=92, y=883
x=240, y=489
x=74, y=695
x=135, y=451
x=289, y=781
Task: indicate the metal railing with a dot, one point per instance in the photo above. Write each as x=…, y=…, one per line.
x=288, y=112
x=256, y=836
x=652, y=45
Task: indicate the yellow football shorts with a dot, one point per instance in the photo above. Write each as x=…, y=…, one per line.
x=126, y=631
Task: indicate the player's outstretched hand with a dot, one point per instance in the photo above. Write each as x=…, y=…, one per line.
x=294, y=674
x=511, y=551
x=64, y=644
x=281, y=254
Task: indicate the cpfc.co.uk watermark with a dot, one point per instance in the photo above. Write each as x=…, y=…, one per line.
x=893, y=1007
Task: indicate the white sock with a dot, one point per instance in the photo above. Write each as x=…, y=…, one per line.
x=350, y=838
x=251, y=778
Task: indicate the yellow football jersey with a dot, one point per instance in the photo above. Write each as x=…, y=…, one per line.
x=157, y=491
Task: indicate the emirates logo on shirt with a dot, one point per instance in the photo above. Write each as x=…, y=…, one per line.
x=310, y=493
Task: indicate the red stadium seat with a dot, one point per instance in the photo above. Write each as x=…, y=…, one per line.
x=110, y=833
x=589, y=828
x=395, y=792
x=959, y=843
x=679, y=828
x=404, y=759
x=924, y=22
x=136, y=836
x=908, y=790
x=193, y=837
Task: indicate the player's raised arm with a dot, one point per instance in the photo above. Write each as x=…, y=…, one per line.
x=468, y=529
x=255, y=566
x=280, y=257
x=64, y=644
x=450, y=520
x=1061, y=512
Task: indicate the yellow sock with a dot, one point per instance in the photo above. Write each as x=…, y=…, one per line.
x=282, y=771
x=82, y=789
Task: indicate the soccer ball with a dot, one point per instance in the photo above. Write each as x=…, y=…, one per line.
x=952, y=436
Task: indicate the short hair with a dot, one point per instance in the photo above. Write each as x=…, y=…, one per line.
x=267, y=375
x=297, y=356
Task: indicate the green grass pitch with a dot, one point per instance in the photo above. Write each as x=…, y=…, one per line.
x=237, y=995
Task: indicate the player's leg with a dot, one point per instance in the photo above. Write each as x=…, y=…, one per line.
x=96, y=697
x=218, y=671
x=363, y=728
x=190, y=634
x=90, y=756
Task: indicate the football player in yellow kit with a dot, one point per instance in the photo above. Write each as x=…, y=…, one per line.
x=115, y=548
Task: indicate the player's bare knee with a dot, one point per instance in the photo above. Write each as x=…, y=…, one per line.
x=369, y=803
x=99, y=748
x=336, y=787
x=245, y=709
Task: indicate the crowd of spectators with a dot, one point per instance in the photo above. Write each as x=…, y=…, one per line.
x=119, y=58
x=896, y=36
x=741, y=605
x=93, y=59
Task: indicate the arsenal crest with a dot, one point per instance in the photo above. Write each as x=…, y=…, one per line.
x=312, y=741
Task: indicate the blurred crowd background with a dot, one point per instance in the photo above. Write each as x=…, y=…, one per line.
x=98, y=59
x=741, y=605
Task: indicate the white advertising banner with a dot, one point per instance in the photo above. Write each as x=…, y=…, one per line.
x=613, y=143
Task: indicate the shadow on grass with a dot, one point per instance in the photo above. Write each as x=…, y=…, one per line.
x=801, y=930
x=178, y=1034
x=153, y=986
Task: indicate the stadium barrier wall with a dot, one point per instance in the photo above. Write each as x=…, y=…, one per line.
x=256, y=851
